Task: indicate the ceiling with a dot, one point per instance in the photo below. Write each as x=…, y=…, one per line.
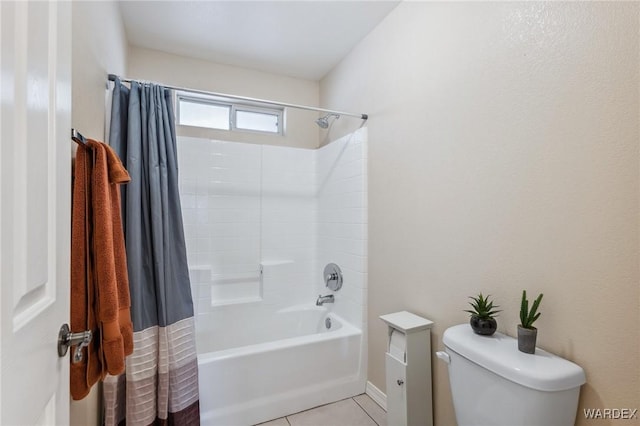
x=304, y=39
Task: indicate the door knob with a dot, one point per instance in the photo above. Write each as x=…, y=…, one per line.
x=66, y=339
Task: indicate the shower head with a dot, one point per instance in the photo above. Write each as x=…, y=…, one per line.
x=323, y=122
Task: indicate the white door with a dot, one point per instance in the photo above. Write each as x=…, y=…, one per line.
x=35, y=170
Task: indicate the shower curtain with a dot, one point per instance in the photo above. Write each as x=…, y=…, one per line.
x=160, y=384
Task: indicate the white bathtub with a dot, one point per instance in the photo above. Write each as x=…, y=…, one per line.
x=255, y=370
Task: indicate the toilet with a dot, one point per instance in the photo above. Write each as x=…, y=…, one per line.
x=492, y=383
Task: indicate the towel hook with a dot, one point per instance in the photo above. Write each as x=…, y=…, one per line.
x=78, y=138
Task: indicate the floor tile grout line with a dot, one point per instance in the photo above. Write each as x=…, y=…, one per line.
x=286, y=418
x=313, y=408
x=365, y=411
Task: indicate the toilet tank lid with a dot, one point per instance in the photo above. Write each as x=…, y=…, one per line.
x=499, y=353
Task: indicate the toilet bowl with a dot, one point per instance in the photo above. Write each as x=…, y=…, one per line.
x=492, y=383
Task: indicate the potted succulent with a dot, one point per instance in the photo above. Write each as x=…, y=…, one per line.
x=527, y=333
x=482, y=316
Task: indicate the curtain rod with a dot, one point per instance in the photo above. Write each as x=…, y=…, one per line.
x=113, y=77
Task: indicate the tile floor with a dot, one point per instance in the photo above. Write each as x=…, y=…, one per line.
x=360, y=410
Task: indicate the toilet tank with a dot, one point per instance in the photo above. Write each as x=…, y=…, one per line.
x=492, y=383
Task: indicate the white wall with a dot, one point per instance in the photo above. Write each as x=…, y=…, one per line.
x=99, y=47
x=503, y=155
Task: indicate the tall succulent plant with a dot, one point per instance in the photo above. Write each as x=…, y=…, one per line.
x=528, y=317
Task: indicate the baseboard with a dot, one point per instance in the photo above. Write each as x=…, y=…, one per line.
x=377, y=395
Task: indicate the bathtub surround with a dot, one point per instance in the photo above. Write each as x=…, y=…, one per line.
x=161, y=379
x=249, y=214
x=503, y=154
x=341, y=227
x=261, y=223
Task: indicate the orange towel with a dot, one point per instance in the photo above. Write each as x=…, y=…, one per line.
x=99, y=281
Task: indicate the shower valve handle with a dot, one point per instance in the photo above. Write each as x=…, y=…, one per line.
x=332, y=276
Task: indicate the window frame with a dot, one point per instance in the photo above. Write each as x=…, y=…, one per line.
x=202, y=101
x=233, y=107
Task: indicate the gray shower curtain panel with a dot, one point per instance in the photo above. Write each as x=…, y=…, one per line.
x=160, y=385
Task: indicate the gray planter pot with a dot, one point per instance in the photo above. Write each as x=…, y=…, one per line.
x=527, y=339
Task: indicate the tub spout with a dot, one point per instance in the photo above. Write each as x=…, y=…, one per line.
x=324, y=299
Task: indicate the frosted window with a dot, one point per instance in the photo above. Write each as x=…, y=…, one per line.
x=226, y=114
x=259, y=121
x=201, y=114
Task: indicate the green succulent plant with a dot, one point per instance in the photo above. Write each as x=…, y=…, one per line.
x=483, y=308
x=528, y=317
